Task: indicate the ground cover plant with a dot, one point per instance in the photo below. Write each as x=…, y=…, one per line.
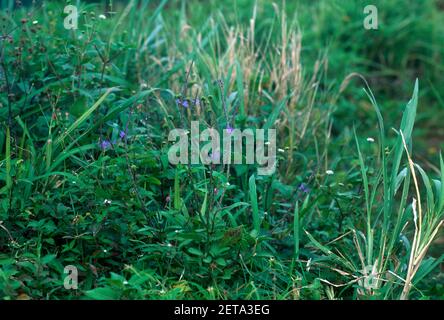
x=354, y=209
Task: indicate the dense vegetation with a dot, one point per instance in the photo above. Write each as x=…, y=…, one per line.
x=353, y=210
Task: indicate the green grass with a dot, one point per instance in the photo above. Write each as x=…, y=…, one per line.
x=353, y=211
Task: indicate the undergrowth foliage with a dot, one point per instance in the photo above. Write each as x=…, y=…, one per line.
x=85, y=179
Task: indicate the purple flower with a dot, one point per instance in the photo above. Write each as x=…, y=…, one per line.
x=303, y=188
x=196, y=102
x=105, y=144
x=122, y=134
x=183, y=103
x=229, y=129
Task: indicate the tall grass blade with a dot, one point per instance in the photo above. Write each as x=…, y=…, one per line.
x=254, y=205
x=296, y=229
x=83, y=117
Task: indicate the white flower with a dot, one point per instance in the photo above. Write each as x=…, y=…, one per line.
x=329, y=172
x=281, y=150
x=125, y=282
x=102, y=16
x=35, y=22
x=107, y=201
x=371, y=140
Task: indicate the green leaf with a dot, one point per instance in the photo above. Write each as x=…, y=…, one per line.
x=221, y=262
x=8, y=159
x=254, y=206
x=195, y=251
x=102, y=294
x=177, y=200
x=296, y=235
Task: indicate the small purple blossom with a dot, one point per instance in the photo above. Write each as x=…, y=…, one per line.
x=196, y=102
x=230, y=129
x=105, y=144
x=122, y=134
x=183, y=103
x=304, y=188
